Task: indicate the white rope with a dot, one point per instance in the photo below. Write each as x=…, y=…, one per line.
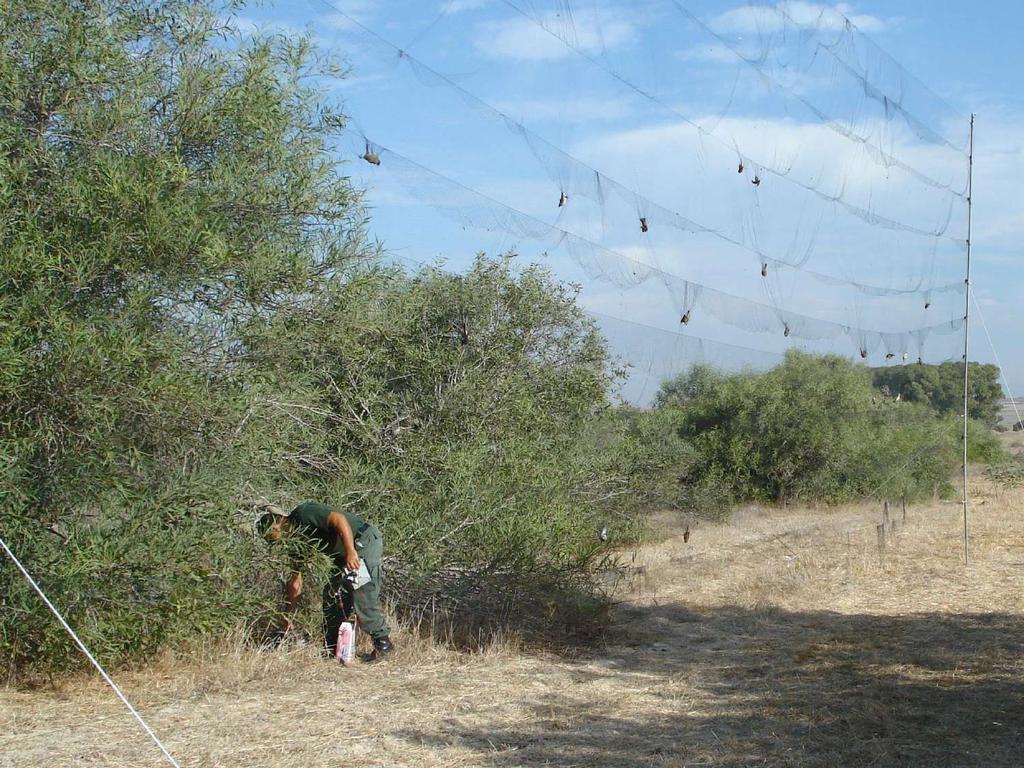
x=88, y=655
x=1002, y=371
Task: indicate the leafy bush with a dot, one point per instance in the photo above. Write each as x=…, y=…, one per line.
x=450, y=409
x=162, y=193
x=640, y=460
x=812, y=428
x=984, y=445
x=190, y=323
x=677, y=392
x=942, y=387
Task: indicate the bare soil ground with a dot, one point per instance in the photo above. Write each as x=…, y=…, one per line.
x=783, y=639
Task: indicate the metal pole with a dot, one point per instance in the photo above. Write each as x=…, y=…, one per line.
x=967, y=316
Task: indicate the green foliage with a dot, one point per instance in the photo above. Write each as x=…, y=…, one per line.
x=942, y=387
x=677, y=392
x=451, y=410
x=708, y=494
x=189, y=324
x=812, y=428
x=161, y=193
x=984, y=445
x=649, y=465
x=641, y=460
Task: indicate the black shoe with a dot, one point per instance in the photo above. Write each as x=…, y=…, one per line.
x=382, y=648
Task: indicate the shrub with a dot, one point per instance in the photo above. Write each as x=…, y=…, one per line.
x=813, y=428
x=162, y=194
x=984, y=445
x=451, y=410
x=942, y=387
x=642, y=460
x=190, y=323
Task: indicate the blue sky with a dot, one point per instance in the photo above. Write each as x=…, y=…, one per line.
x=645, y=109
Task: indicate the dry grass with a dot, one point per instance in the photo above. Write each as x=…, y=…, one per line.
x=1014, y=441
x=784, y=639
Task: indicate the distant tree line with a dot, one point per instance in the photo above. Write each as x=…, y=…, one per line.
x=942, y=387
x=818, y=428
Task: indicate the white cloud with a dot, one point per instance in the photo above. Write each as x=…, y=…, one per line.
x=675, y=164
x=752, y=19
x=458, y=6
x=670, y=162
x=337, y=21
x=716, y=53
x=743, y=35
x=343, y=18
x=551, y=35
x=571, y=110
x=349, y=12
x=799, y=81
x=863, y=21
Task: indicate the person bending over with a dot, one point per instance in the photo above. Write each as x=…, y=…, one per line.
x=346, y=538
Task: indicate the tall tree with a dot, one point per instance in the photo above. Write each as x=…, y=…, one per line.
x=942, y=387
x=165, y=187
x=190, y=319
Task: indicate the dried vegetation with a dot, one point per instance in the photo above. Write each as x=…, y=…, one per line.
x=784, y=639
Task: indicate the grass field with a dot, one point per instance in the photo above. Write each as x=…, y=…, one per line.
x=784, y=639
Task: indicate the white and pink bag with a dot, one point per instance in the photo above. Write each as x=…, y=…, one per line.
x=345, y=650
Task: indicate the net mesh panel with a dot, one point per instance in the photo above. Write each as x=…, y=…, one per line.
x=649, y=355
x=719, y=180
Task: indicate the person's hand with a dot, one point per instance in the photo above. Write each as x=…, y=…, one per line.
x=352, y=561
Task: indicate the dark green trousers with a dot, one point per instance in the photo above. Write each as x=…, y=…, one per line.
x=340, y=601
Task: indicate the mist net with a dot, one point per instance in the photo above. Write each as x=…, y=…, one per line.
x=723, y=180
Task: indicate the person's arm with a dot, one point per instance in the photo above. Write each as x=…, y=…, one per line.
x=292, y=591
x=337, y=523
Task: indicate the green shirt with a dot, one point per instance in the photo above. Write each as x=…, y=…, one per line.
x=310, y=518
